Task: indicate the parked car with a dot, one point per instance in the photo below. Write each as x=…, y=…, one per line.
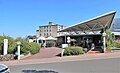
x=4, y=69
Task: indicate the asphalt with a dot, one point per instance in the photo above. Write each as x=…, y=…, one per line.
x=86, y=63
x=63, y=59
x=108, y=65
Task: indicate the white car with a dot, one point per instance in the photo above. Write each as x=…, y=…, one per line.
x=4, y=69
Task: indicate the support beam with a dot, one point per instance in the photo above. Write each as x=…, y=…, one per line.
x=90, y=28
x=82, y=29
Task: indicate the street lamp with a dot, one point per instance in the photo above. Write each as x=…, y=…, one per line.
x=18, y=49
x=104, y=40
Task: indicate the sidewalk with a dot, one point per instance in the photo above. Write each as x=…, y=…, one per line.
x=64, y=59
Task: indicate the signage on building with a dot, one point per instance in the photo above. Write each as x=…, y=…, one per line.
x=68, y=39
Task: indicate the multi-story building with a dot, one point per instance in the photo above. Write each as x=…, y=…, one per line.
x=49, y=30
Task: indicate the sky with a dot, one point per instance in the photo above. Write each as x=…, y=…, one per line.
x=19, y=18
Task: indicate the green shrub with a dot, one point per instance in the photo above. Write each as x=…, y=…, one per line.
x=25, y=46
x=50, y=43
x=73, y=51
x=110, y=39
x=11, y=43
x=34, y=48
x=117, y=44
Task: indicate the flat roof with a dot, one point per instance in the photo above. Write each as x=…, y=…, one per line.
x=94, y=24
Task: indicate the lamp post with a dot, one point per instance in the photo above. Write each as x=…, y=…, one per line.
x=18, y=50
x=104, y=40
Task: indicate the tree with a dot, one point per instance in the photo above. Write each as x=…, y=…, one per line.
x=11, y=44
x=73, y=41
x=110, y=39
x=26, y=47
x=31, y=37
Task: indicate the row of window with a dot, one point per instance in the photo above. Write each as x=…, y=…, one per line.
x=47, y=26
x=46, y=34
x=46, y=30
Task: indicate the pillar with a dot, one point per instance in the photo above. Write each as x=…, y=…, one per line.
x=5, y=46
x=18, y=52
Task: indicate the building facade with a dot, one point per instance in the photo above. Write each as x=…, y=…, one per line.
x=50, y=30
x=92, y=31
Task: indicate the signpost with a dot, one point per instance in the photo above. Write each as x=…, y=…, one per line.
x=18, y=50
x=68, y=40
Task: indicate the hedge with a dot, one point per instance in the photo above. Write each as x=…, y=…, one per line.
x=73, y=51
x=117, y=44
x=34, y=48
x=25, y=46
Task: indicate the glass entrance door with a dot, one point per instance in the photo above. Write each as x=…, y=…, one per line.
x=87, y=41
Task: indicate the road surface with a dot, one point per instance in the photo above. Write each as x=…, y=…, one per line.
x=111, y=65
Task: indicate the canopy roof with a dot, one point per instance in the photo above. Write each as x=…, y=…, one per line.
x=41, y=38
x=51, y=38
x=91, y=25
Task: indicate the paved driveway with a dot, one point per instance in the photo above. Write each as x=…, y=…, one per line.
x=46, y=53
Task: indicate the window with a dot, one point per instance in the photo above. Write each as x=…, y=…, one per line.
x=44, y=34
x=40, y=41
x=34, y=41
x=50, y=30
x=44, y=30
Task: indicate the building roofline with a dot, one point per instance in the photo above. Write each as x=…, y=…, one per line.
x=112, y=12
x=51, y=25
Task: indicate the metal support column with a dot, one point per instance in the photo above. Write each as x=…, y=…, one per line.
x=65, y=39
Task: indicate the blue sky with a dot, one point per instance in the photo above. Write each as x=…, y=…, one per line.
x=19, y=18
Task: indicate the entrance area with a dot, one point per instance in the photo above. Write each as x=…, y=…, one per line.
x=91, y=28
x=84, y=41
x=87, y=41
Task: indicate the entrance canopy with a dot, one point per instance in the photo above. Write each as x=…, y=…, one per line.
x=41, y=38
x=50, y=38
x=92, y=25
